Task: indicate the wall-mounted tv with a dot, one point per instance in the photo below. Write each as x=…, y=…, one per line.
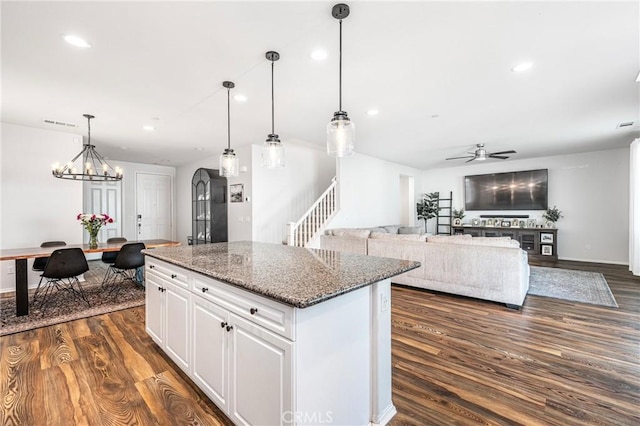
x=525, y=190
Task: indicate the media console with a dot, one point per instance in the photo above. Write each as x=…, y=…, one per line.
x=539, y=243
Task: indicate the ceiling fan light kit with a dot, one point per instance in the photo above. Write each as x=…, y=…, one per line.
x=481, y=154
x=229, y=161
x=341, y=131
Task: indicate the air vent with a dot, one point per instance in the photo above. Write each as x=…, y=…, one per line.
x=627, y=124
x=60, y=123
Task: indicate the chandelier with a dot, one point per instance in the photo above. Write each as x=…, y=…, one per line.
x=94, y=167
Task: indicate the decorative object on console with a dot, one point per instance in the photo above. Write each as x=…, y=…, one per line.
x=340, y=130
x=272, y=149
x=475, y=221
x=490, y=222
x=92, y=223
x=552, y=216
x=94, y=166
x=229, y=162
x=531, y=223
x=458, y=215
x=481, y=154
x=546, y=237
x=427, y=208
x=547, y=250
x=505, y=224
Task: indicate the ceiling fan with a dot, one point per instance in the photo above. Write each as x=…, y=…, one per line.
x=481, y=154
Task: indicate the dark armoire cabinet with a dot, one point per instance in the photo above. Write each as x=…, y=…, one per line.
x=209, y=207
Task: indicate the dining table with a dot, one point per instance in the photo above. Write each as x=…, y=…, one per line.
x=20, y=256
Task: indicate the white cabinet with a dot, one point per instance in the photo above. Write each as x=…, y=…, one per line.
x=210, y=350
x=168, y=305
x=265, y=363
x=243, y=368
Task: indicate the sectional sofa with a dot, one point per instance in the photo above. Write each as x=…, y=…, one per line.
x=489, y=268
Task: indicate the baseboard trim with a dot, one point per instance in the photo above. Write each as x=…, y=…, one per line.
x=611, y=262
x=385, y=417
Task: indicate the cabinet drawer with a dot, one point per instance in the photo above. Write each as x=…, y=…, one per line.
x=171, y=273
x=271, y=315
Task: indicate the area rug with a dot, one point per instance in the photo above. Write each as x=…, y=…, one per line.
x=577, y=286
x=63, y=307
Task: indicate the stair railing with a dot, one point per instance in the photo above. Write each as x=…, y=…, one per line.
x=315, y=219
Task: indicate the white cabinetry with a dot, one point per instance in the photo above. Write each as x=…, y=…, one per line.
x=168, y=312
x=266, y=363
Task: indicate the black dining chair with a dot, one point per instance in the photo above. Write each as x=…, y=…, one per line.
x=129, y=259
x=40, y=262
x=109, y=257
x=61, y=273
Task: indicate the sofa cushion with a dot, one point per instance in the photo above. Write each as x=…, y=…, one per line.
x=354, y=233
x=378, y=229
x=446, y=238
x=392, y=229
x=411, y=230
x=478, y=241
x=397, y=237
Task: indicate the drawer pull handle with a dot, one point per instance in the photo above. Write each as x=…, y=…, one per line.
x=173, y=275
x=205, y=289
x=253, y=311
x=223, y=324
x=159, y=288
x=152, y=266
x=229, y=327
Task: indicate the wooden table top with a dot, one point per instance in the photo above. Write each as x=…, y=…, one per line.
x=30, y=252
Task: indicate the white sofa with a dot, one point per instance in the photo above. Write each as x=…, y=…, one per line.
x=489, y=268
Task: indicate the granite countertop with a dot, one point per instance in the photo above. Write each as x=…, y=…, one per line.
x=295, y=276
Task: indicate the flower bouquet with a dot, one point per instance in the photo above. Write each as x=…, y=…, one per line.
x=92, y=223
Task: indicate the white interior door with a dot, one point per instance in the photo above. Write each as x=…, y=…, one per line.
x=104, y=197
x=153, y=205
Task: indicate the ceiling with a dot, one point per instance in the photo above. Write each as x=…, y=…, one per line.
x=439, y=73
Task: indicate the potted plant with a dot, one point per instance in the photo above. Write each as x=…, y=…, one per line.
x=427, y=208
x=458, y=215
x=552, y=216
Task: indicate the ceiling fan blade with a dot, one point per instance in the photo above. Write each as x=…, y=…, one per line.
x=457, y=158
x=498, y=156
x=503, y=152
x=468, y=161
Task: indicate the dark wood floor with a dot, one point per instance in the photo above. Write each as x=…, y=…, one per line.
x=455, y=361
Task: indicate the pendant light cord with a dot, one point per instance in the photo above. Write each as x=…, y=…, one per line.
x=89, y=131
x=228, y=118
x=340, y=68
x=272, y=102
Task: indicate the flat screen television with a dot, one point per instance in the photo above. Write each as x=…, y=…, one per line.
x=524, y=190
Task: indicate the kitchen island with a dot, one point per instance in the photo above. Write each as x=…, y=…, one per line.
x=276, y=334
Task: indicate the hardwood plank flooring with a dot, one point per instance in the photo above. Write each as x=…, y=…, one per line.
x=455, y=361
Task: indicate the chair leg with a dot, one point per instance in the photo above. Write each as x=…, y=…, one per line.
x=35, y=294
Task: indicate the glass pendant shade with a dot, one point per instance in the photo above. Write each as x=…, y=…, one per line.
x=272, y=153
x=341, y=136
x=229, y=164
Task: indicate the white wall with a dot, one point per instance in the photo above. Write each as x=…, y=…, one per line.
x=370, y=192
x=238, y=230
x=284, y=195
x=591, y=189
x=35, y=206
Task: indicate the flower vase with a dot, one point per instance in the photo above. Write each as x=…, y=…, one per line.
x=93, y=240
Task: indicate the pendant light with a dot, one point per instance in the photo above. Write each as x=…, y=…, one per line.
x=272, y=149
x=229, y=162
x=94, y=167
x=341, y=131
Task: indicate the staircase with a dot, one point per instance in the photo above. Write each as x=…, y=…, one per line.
x=315, y=219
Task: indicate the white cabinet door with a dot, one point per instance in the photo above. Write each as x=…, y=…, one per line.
x=260, y=385
x=210, y=350
x=154, y=313
x=177, y=319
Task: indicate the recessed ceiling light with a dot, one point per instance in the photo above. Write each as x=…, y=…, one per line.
x=435, y=116
x=76, y=41
x=373, y=112
x=199, y=148
x=240, y=98
x=319, y=55
x=149, y=128
x=124, y=148
x=522, y=67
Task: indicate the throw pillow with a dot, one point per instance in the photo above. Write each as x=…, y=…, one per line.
x=410, y=230
x=397, y=237
x=356, y=233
